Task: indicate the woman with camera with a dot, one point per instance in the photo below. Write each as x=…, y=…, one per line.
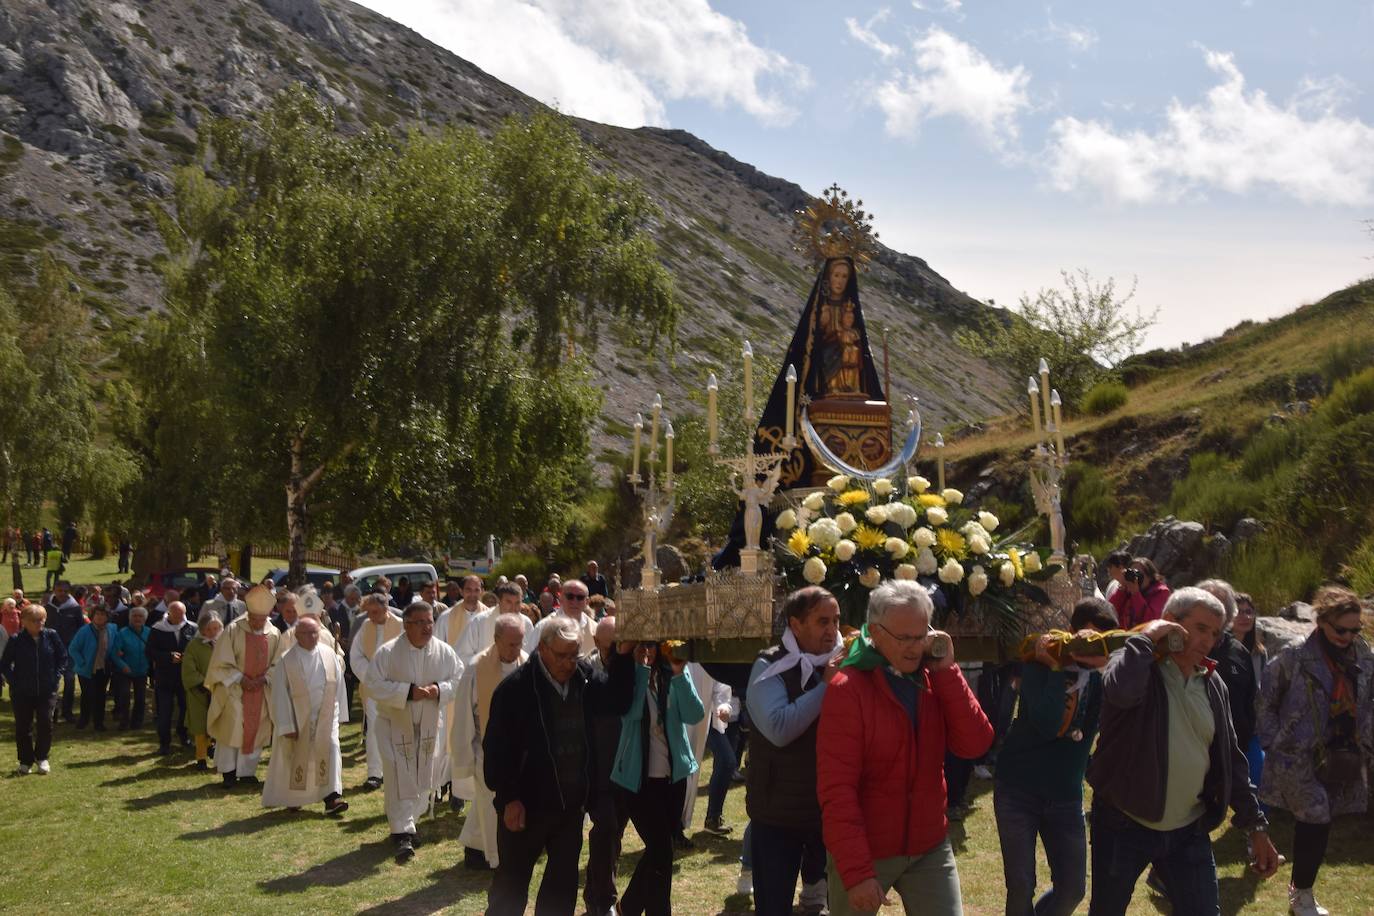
x=1316, y=722
x=1143, y=596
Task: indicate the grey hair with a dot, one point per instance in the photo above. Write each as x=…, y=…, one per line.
x=138, y=612
x=508, y=622
x=206, y=615
x=1182, y=602
x=896, y=593
x=352, y=590
x=557, y=626
x=1223, y=592
x=375, y=598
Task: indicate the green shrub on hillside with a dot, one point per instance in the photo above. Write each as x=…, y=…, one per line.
x=1271, y=449
x=1277, y=568
x=1346, y=357
x=1359, y=567
x=1214, y=494
x=1092, y=506
x=1350, y=398
x=1331, y=497
x=1105, y=397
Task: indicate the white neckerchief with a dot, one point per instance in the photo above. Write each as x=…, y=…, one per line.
x=795, y=656
x=1081, y=681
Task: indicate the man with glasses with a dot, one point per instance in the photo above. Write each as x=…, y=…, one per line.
x=573, y=606
x=786, y=687
x=887, y=720
x=412, y=680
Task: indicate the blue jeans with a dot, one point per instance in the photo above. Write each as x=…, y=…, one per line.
x=1123, y=848
x=779, y=854
x=723, y=750
x=1021, y=815
x=1254, y=754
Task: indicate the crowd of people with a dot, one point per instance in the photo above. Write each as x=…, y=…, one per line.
x=521, y=711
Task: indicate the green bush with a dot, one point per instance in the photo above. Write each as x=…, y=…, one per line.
x=1350, y=398
x=1346, y=357
x=1271, y=449
x=519, y=562
x=1105, y=397
x=1277, y=568
x=1331, y=494
x=1214, y=494
x=101, y=544
x=1092, y=505
x=1359, y=567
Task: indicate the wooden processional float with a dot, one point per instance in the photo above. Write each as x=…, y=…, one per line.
x=829, y=495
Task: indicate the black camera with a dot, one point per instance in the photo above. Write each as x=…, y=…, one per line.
x=1134, y=575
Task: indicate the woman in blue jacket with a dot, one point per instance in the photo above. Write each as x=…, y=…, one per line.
x=131, y=661
x=654, y=755
x=93, y=659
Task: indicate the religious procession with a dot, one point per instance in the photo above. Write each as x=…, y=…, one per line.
x=867, y=644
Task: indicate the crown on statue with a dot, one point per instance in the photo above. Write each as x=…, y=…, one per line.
x=835, y=227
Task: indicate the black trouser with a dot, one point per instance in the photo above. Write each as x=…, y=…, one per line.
x=609, y=817
x=958, y=770
x=27, y=711
x=68, y=693
x=778, y=855
x=656, y=812
x=123, y=562
x=93, y=691
x=1309, y=849
x=169, y=691
x=558, y=833
x=131, y=715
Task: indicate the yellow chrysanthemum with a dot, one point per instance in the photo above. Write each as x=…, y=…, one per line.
x=799, y=543
x=927, y=500
x=868, y=537
x=950, y=544
x=1014, y=556
x=853, y=498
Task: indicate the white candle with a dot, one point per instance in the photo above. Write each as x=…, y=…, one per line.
x=940, y=459
x=639, y=433
x=1034, y=391
x=1045, y=389
x=668, y=455
x=711, y=425
x=791, y=398
x=1058, y=421
x=653, y=428
x=748, y=382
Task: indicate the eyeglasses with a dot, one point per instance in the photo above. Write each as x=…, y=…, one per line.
x=904, y=640
x=1343, y=631
x=574, y=597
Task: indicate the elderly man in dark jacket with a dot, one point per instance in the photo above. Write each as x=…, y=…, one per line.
x=1167, y=765
x=540, y=761
x=33, y=664
x=167, y=641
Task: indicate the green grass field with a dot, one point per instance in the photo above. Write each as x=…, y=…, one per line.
x=117, y=829
x=83, y=570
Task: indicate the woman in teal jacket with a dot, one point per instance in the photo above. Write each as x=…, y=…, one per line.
x=94, y=678
x=131, y=665
x=654, y=755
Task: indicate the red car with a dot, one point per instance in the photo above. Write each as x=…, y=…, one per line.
x=179, y=579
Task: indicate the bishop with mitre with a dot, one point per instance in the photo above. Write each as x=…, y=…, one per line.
x=240, y=716
x=472, y=709
x=308, y=703
x=412, y=679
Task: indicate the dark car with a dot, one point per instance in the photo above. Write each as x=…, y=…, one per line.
x=179, y=579
x=315, y=577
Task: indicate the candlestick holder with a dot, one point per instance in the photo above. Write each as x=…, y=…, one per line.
x=656, y=507
x=1047, y=467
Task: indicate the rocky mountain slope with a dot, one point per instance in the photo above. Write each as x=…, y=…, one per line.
x=99, y=101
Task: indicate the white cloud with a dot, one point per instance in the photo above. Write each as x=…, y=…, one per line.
x=865, y=35
x=954, y=79
x=1235, y=139
x=615, y=61
x=1077, y=37
x=953, y=7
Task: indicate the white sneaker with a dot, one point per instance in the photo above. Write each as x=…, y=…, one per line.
x=745, y=884
x=813, y=897
x=43, y=768
x=1302, y=903
x=23, y=770
x=982, y=772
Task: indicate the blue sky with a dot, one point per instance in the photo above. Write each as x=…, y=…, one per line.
x=1220, y=153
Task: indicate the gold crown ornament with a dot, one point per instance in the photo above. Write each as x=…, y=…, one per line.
x=834, y=226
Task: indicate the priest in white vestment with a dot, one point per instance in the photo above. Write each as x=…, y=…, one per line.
x=378, y=627
x=412, y=679
x=480, y=623
x=472, y=709
x=308, y=703
x=240, y=715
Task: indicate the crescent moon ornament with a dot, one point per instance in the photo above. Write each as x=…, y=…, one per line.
x=837, y=464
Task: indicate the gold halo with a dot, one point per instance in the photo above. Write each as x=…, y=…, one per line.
x=834, y=226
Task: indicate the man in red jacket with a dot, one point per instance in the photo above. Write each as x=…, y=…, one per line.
x=887, y=719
